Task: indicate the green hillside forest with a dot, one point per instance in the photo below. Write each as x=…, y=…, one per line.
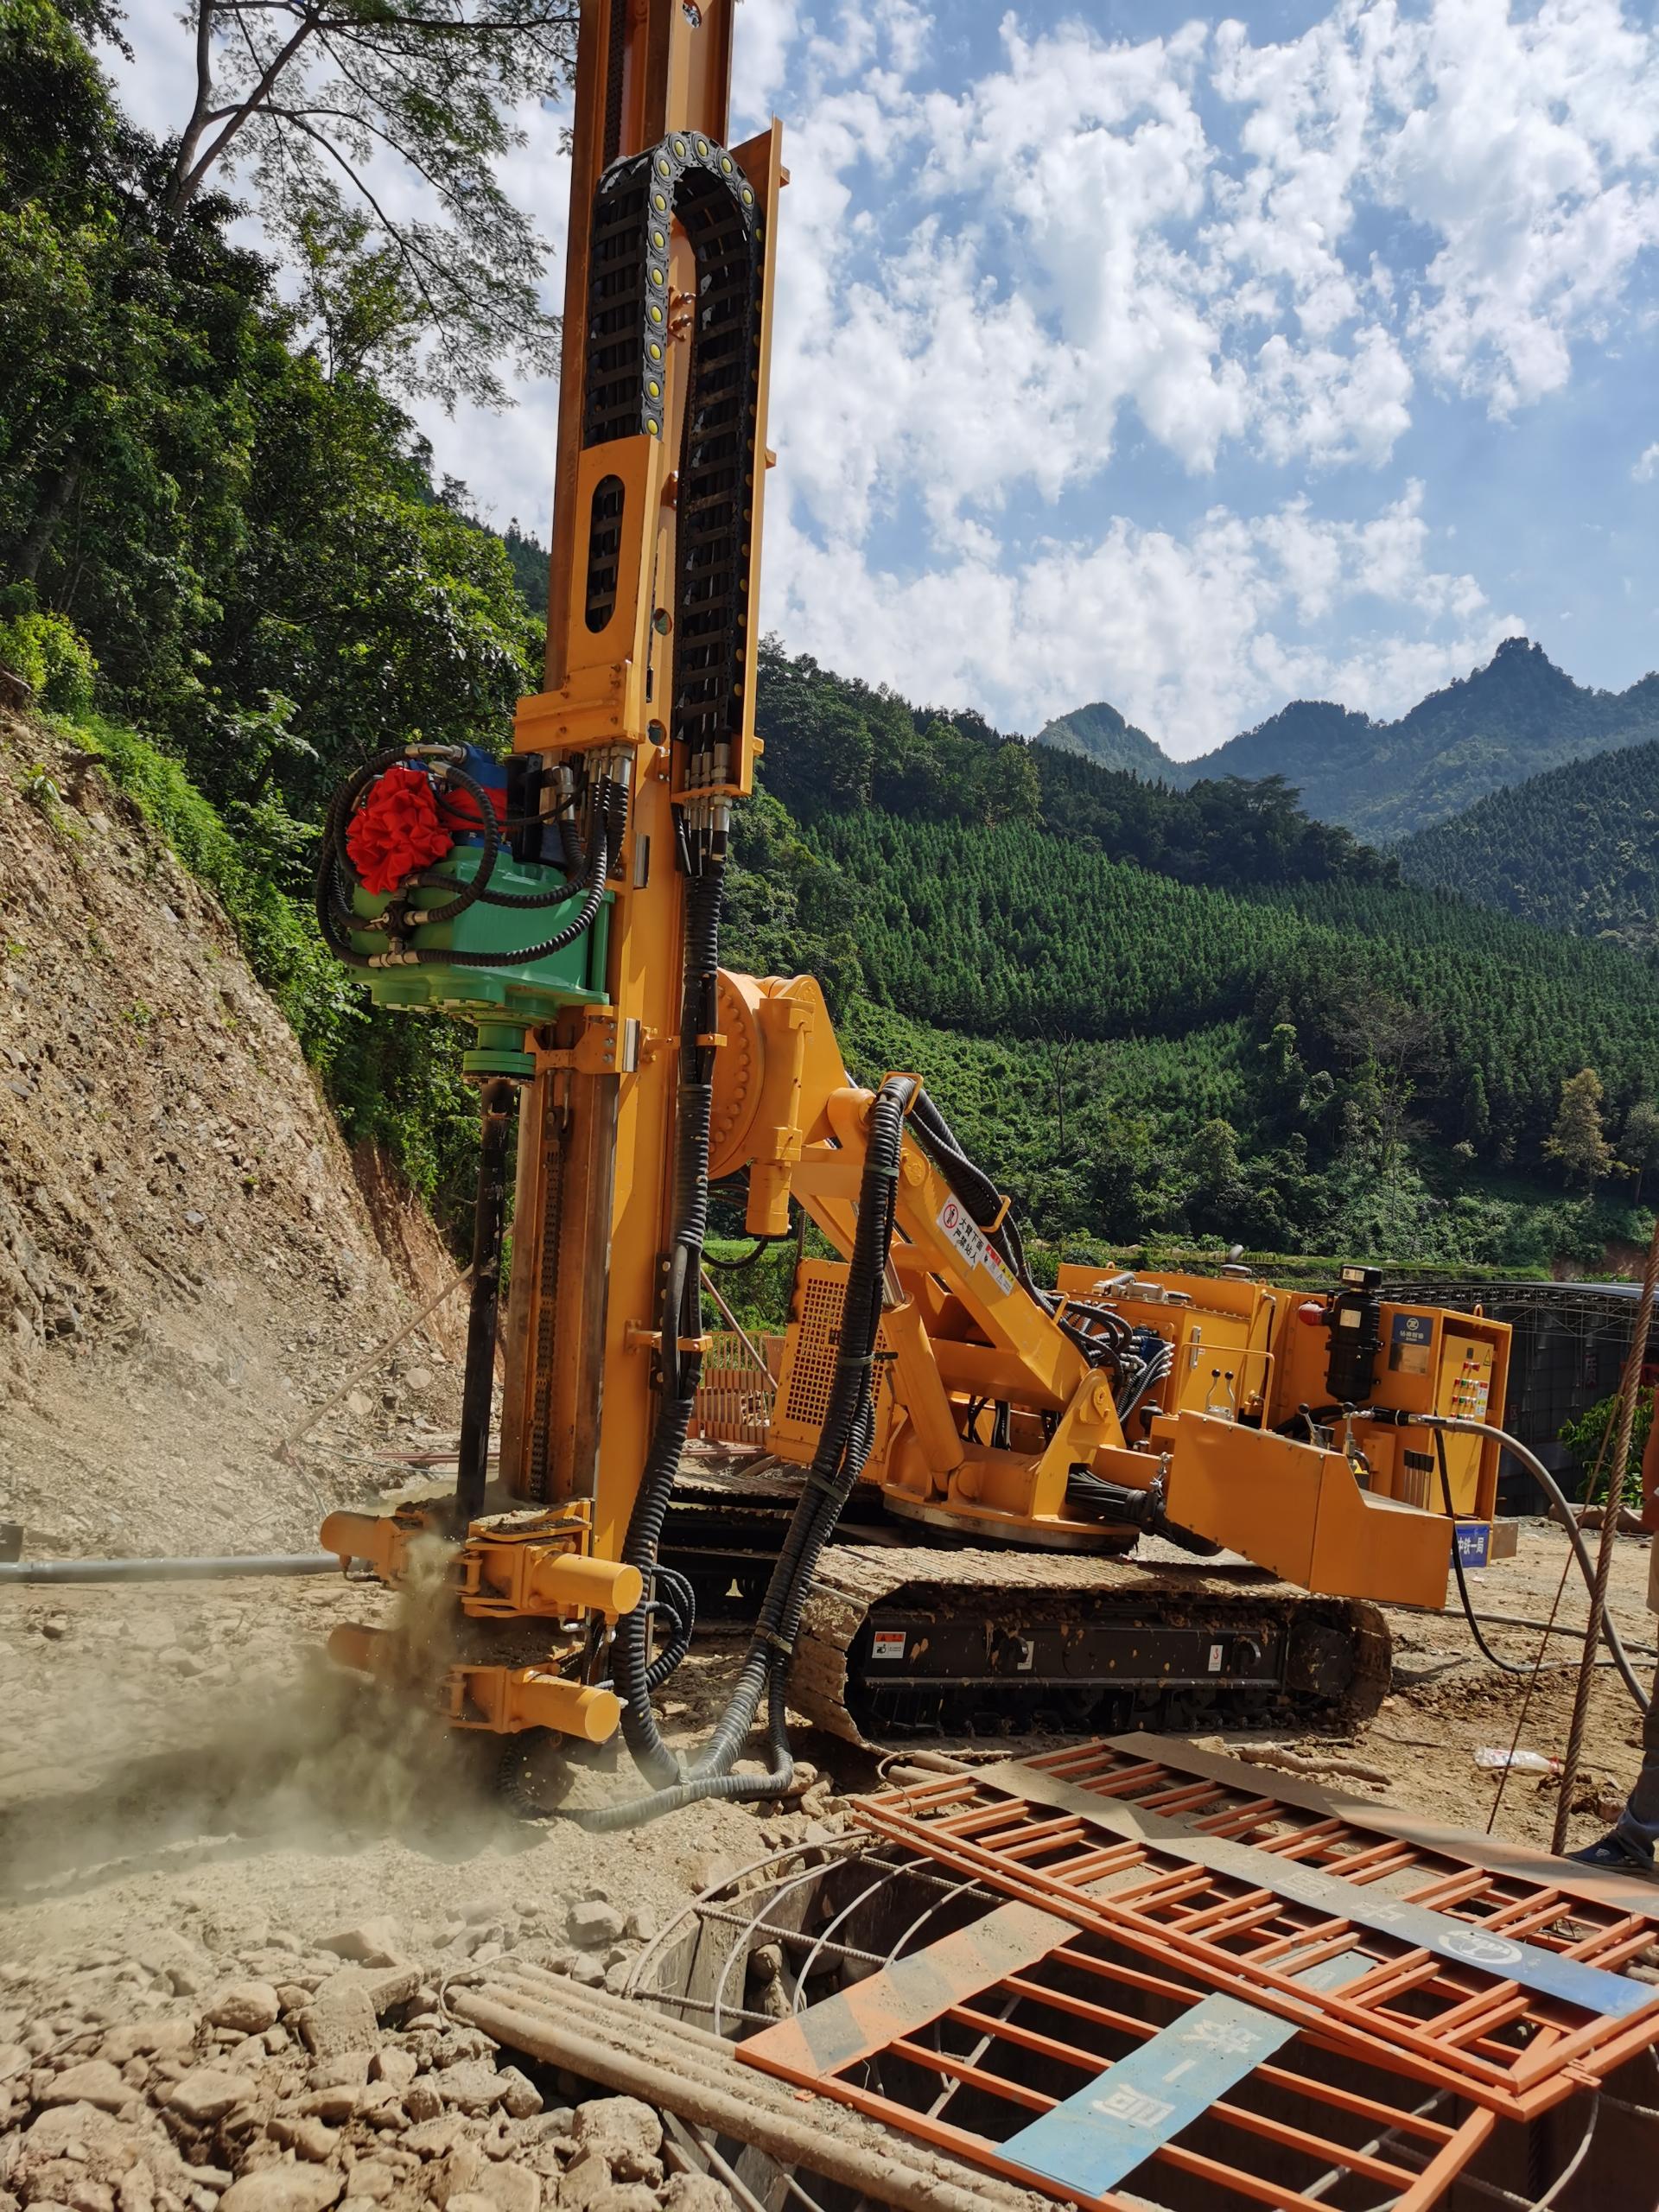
x=227, y=569
x=1191, y=1013
x=1576, y=849
x=1100, y=733
x=1512, y=720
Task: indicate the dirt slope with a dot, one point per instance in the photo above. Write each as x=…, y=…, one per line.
x=188, y=1262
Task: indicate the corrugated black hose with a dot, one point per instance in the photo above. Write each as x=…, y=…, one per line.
x=680, y=1316
x=844, y=1446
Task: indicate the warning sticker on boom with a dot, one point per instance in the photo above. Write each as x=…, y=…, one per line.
x=887, y=1643
x=955, y=1221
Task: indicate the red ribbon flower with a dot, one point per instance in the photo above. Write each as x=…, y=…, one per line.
x=396, y=831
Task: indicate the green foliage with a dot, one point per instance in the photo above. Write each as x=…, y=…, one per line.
x=382, y=609
x=1578, y=1142
x=229, y=518
x=1190, y=1014
x=47, y=652
x=1592, y=1437
x=1576, y=849
x=1638, y=1148
x=242, y=862
x=834, y=744
x=1397, y=997
x=789, y=910
x=835, y=747
x=527, y=557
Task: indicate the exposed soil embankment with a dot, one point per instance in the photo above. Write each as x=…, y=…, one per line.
x=189, y=1262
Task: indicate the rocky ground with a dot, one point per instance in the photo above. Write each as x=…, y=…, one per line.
x=233, y=1891
x=264, y=2069
x=187, y=1251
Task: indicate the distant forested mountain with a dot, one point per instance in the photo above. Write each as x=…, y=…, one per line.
x=835, y=744
x=1576, y=849
x=1100, y=733
x=1200, y=1011
x=1509, y=721
x=1514, y=719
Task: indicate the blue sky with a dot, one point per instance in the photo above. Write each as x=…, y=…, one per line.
x=1194, y=364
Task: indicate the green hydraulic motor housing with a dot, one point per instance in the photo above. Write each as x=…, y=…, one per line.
x=502, y=1001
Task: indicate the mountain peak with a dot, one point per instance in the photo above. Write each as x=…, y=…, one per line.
x=1101, y=733
x=1514, y=717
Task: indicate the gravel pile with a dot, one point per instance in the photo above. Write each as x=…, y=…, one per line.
x=325, y=2069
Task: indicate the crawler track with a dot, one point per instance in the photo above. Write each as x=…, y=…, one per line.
x=899, y=1639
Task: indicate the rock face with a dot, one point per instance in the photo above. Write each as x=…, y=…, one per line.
x=186, y=1245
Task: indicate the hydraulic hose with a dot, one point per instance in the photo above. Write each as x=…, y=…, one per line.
x=1455, y=1424
x=1504, y=1666
x=486, y=821
x=1155, y=1368
x=674, y=1596
x=335, y=878
x=680, y=1316
x=612, y=798
x=844, y=1446
x=984, y=1203
x=329, y=906
x=599, y=864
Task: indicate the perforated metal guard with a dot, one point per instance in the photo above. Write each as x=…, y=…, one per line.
x=809, y=1351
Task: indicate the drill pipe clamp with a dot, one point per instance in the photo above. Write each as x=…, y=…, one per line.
x=536, y=1564
x=508, y=1566
x=498, y=1699
x=382, y=1541
x=506, y=1699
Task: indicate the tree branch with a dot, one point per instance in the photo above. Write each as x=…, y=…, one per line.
x=402, y=245
x=199, y=117
x=189, y=183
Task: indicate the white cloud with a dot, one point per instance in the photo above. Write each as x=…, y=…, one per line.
x=1647, y=466
x=993, y=287
x=1526, y=147
x=1192, y=636
x=1090, y=260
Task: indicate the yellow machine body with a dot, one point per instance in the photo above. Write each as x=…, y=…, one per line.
x=1353, y=1510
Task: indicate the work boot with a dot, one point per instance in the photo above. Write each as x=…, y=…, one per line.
x=1626, y=1854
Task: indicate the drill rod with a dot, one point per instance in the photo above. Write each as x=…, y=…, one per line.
x=489, y=1227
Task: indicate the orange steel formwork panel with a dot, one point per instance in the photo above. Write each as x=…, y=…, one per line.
x=1168, y=1983
x=1500, y=1987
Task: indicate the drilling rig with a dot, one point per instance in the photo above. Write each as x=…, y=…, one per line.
x=979, y=1453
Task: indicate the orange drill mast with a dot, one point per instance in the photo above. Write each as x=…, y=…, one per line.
x=643, y=1071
